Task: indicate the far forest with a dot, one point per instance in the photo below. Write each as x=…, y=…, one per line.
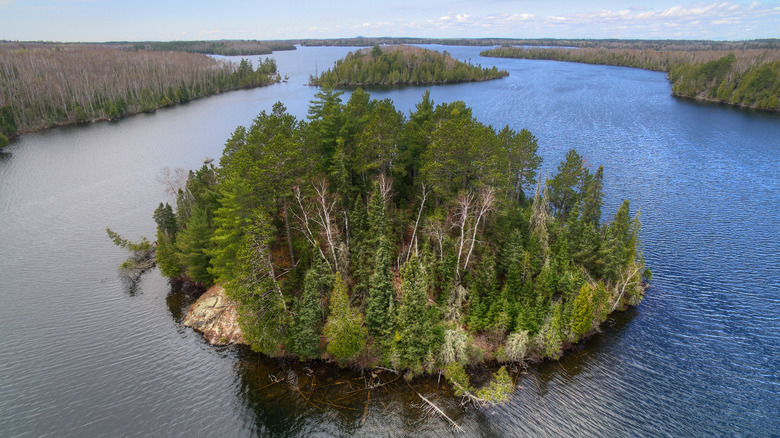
x=421, y=243
x=221, y=47
x=747, y=77
x=46, y=85
x=401, y=65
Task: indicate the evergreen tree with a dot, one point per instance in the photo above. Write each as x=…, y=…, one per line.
x=592, y=198
x=166, y=256
x=305, y=330
x=379, y=318
x=166, y=220
x=193, y=245
x=565, y=187
x=344, y=330
x=263, y=315
x=416, y=332
x=582, y=318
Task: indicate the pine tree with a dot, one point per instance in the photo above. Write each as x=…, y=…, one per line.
x=416, y=333
x=166, y=256
x=344, y=330
x=305, y=332
x=582, y=317
x=592, y=199
x=566, y=186
x=193, y=245
x=379, y=320
x=166, y=220
x=263, y=315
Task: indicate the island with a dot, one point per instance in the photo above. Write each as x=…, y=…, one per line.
x=421, y=244
x=43, y=85
x=745, y=74
x=401, y=65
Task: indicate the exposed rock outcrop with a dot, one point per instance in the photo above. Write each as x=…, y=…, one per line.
x=216, y=316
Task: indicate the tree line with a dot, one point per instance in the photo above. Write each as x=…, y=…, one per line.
x=401, y=65
x=418, y=243
x=767, y=43
x=46, y=86
x=749, y=77
x=221, y=47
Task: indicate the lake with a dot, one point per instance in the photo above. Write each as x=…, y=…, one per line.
x=82, y=355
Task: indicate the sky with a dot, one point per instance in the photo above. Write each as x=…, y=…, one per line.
x=165, y=20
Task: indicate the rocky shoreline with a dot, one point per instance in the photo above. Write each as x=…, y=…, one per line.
x=216, y=317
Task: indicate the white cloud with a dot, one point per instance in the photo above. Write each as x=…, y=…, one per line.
x=712, y=19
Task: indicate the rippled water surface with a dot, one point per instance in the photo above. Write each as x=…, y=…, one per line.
x=80, y=355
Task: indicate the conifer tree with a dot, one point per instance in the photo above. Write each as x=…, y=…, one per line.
x=305, y=330
x=582, y=317
x=193, y=245
x=592, y=198
x=344, y=330
x=263, y=314
x=379, y=318
x=416, y=331
x=565, y=187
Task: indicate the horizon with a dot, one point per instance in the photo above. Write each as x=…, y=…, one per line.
x=176, y=20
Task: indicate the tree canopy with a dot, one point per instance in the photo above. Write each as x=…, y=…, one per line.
x=393, y=65
x=415, y=242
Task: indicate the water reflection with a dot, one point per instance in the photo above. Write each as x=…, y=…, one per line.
x=286, y=397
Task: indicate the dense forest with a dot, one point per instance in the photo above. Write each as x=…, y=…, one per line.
x=395, y=65
x=769, y=43
x=749, y=77
x=416, y=243
x=45, y=86
x=221, y=47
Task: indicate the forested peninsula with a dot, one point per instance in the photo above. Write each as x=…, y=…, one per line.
x=746, y=76
x=418, y=243
x=221, y=47
x=401, y=65
x=46, y=85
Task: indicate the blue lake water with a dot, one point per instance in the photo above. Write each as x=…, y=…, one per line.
x=80, y=356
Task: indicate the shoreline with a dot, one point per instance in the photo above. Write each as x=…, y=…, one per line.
x=18, y=134
x=491, y=362
x=659, y=70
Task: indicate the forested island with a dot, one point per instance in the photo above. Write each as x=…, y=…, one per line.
x=748, y=76
x=419, y=244
x=46, y=85
x=401, y=65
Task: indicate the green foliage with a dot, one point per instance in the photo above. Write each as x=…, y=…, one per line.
x=456, y=345
x=516, y=346
x=567, y=184
x=418, y=330
x=401, y=65
x=748, y=78
x=3, y=141
x=458, y=378
x=305, y=332
x=141, y=257
x=263, y=315
x=499, y=388
x=194, y=244
x=344, y=330
x=166, y=256
x=7, y=121
x=551, y=336
x=381, y=295
x=423, y=219
x=166, y=220
x=583, y=313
